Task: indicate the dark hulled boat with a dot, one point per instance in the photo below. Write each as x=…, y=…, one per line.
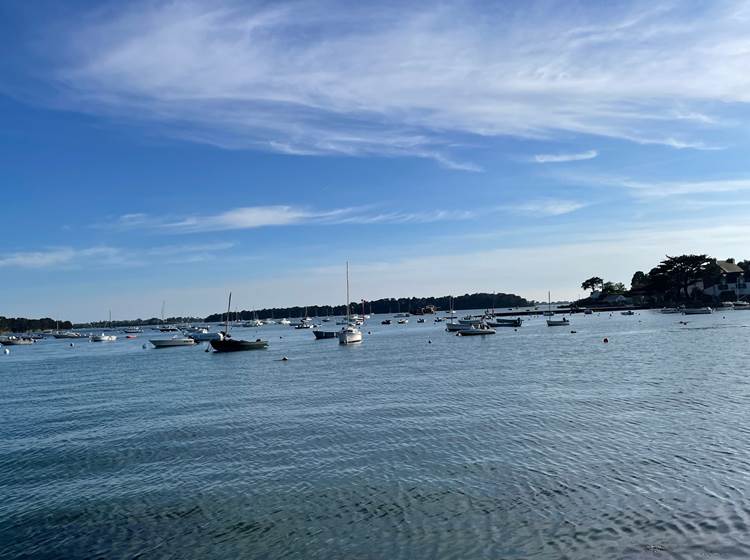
x=229, y=344
x=225, y=342
x=320, y=335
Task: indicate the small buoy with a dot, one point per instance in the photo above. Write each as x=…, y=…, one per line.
x=573, y=332
x=605, y=340
x=6, y=351
x=368, y=332
x=71, y=345
x=144, y=346
x=429, y=342
x=284, y=359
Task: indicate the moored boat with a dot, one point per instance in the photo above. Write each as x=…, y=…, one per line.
x=172, y=342
x=225, y=342
x=17, y=341
x=497, y=322
x=698, y=311
x=475, y=330
x=103, y=337
x=66, y=334
x=349, y=334
x=320, y=335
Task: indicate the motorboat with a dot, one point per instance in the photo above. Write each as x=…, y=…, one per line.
x=385, y=322
x=497, y=322
x=475, y=330
x=420, y=320
x=402, y=321
x=587, y=311
x=629, y=312
x=558, y=322
x=103, y=337
x=438, y=320
x=741, y=305
x=253, y=323
x=402, y=315
x=132, y=330
x=670, y=310
x=285, y=322
x=172, y=342
x=349, y=334
x=17, y=341
x=66, y=334
x=698, y=311
x=169, y=328
x=204, y=336
x=469, y=320
x=320, y=335
x=225, y=342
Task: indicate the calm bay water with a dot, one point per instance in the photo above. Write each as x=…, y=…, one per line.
x=538, y=443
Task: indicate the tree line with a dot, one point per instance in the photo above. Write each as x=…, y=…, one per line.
x=385, y=305
x=21, y=324
x=669, y=281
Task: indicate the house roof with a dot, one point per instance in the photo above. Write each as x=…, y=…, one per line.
x=729, y=268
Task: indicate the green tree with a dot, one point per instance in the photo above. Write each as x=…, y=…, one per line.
x=679, y=272
x=613, y=288
x=592, y=283
x=639, y=280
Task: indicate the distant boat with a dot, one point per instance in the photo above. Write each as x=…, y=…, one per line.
x=628, y=312
x=497, y=322
x=320, y=335
x=17, y=341
x=350, y=334
x=103, y=337
x=420, y=320
x=402, y=321
x=204, y=336
x=587, y=311
x=741, y=305
x=549, y=313
x=67, y=334
x=285, y=322
x=475, y=330
x=172, y=342
x=698, y=311
x=132, y=330
x=253, y=323
x=228, y=344
x=670, y=310
x=385, y=322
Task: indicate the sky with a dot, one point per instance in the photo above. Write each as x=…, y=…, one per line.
x=176, y=151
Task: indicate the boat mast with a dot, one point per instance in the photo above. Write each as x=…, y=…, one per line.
x=229, y=309
x=347, y=293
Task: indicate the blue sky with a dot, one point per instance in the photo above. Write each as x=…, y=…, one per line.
x=178, y=150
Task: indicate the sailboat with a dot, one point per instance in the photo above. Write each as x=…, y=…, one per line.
x=349, y=334
x=228, y=344
x=104, y=337
x=549, y=313
x=453, y=326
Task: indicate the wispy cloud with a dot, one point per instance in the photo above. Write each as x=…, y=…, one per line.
x=546, y=207
x=253, y=217
x=563, y=158
x=111, y=257
x=311, y=78
x=646, y=189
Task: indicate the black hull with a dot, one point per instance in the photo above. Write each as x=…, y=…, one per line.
x=231, y=345
x=320, y=335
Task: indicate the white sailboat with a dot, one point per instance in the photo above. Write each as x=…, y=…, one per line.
x=104, y=337
x=349, y=334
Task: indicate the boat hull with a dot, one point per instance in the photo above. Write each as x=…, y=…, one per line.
x=556, y=323
x=321, y=335
x=172, y=342
x=232, y=345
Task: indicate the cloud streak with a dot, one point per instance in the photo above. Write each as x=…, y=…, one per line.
x=563, y=158
x=315, y=79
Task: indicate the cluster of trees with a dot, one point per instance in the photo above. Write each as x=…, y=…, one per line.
x=606, y=288
x=386, y=305
x=139, y=322
x=670, y=280
x=22, y=325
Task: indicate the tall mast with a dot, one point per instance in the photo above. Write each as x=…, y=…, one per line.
x=347, y=292
x=229, y=308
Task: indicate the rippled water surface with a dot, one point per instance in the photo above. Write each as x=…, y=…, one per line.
x=536, y=443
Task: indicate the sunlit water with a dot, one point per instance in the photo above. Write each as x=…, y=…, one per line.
x=536, y=443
